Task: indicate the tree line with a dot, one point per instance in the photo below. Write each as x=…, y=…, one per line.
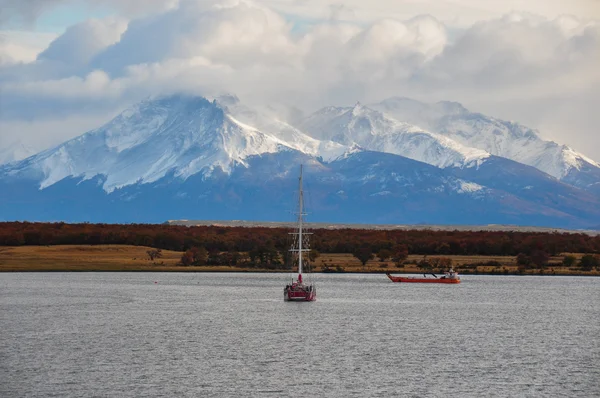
x=264, y=241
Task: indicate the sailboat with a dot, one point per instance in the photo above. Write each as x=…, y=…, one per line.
x=298, y=290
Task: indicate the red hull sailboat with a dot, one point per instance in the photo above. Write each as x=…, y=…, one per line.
x=449, y=277
x=299, y=290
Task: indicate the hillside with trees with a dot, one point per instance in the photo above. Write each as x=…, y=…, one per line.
x=266, y=248
x=181, y=238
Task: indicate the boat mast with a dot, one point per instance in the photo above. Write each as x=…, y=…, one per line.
x=300, y=200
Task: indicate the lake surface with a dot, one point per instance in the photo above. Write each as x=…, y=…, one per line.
x=215, y=335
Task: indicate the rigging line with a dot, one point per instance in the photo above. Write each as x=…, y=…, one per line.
x=308, y=205
x=308, y=196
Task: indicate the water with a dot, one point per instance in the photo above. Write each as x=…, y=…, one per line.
x=122, y=334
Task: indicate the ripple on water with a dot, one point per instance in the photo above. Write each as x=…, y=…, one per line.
x=120, y=334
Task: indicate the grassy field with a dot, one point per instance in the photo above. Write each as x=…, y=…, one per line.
x=464, y=264
x=88, y=258
x=135, y=258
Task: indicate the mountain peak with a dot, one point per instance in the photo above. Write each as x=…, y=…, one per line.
x=142, y=161
x=451, y=108
x=357, y=109
x=227, y=99
x=498, y=137
x=181, y=135
x=176, y=134
x=374, y=131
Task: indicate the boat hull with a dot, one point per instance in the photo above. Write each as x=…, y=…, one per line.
x=299, y=295
x=409, y=279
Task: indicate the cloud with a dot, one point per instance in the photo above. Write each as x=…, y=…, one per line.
x=236, y=35
x=22, y=47
x=82, y=41
x=503, y=66
x=514, y=50
x=24, y=13
x=456, y=13
x=42, y=134
x=461, y=13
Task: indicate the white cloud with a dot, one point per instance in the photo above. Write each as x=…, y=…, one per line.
x=517, y=66
x=19, y=47
x=453, y=13
x=236, y=35
x=41, y=134
x=82, y=41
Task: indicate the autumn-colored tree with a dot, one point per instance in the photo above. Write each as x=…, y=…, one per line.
x=264, y=255
x=384, y=254
x=154, y=254
x=195, y=256
x=523, y=259
x=434, y=262
x=424, y=265
x=443, y=248
x=219, y=239
x=363, y=254
x=187, y=258
x=539, y=258
x=589, y=261
x=400, y=254
x=569, y=260
x=445, y=262
x=313, y=255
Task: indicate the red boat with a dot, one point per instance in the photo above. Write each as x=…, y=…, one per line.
x=449, y=277
x=298, y=290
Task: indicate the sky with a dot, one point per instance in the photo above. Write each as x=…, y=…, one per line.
x=68, y=66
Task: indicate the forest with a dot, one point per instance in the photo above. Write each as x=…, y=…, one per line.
x=246, y=239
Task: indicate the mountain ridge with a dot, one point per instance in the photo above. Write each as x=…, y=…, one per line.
x=169, y=156
x=363, y=187
x=372, y=130
x=497, y=137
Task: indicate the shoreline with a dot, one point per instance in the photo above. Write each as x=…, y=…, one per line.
x=242, y=271
x=128, y=258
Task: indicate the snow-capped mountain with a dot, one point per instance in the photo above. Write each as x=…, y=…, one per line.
x=178, y=134
x=15, y=151
x=187, y=157
x=497, y=137
x=358, y=187
x=268, y=121
x=374, y=131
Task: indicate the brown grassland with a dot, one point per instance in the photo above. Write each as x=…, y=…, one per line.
x=135, y=258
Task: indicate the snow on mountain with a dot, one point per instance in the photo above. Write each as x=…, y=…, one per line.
x=498, y=137
x=177, y=134
x=268, y=120
x=375, y=131
x=188, y=157
x=15, y=151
